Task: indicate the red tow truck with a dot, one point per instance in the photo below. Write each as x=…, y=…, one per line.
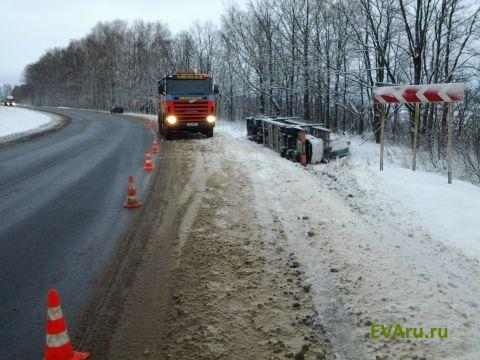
x=187, y=103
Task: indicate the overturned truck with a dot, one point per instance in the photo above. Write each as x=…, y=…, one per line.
x=283, y=134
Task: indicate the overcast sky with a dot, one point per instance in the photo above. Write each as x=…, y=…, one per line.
x=29, y=27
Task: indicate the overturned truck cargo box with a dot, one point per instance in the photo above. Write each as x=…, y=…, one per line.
x=283, y=134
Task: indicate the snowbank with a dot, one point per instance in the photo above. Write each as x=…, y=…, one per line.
x=235, y=129
x=142, y=116
x=450, y=212
x=16, y=122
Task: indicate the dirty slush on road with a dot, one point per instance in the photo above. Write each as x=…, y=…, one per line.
x=202, y=275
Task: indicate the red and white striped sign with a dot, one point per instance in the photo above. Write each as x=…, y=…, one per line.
x=452, y=92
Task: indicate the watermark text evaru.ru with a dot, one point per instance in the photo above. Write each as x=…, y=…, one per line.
x=398, y=331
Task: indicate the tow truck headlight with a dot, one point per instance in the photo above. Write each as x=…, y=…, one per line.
x=211, y=119
x=172, y=119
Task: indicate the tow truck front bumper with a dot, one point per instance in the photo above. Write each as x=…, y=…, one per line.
x=194, y=126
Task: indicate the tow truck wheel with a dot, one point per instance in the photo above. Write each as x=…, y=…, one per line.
x=209, y=133
x=167, y=134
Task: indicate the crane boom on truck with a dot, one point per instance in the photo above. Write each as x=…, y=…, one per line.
x=187, y=103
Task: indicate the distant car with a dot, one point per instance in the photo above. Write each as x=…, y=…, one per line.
x=116, y=110
x=339, y=145
x=9, y=101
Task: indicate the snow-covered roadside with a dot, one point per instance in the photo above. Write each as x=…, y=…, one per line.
x=17, y=122
x=450, y=213
x=142, y=116
x=371, y=257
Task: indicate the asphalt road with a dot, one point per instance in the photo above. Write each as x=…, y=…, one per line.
x=61, y=215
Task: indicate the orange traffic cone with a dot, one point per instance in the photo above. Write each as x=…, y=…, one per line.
x=155, y=147
x=58, y=345
x=132, y=201
x=148, y=161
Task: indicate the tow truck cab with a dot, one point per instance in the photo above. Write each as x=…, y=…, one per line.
x=187, y=103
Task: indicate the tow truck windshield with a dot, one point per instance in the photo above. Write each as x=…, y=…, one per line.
x=189, y=87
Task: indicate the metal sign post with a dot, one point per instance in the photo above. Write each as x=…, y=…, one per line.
x=449, y=142
x=382, y=133
x=417, y=94
x=415, y=136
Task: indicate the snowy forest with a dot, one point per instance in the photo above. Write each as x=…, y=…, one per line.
x=309, y=58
